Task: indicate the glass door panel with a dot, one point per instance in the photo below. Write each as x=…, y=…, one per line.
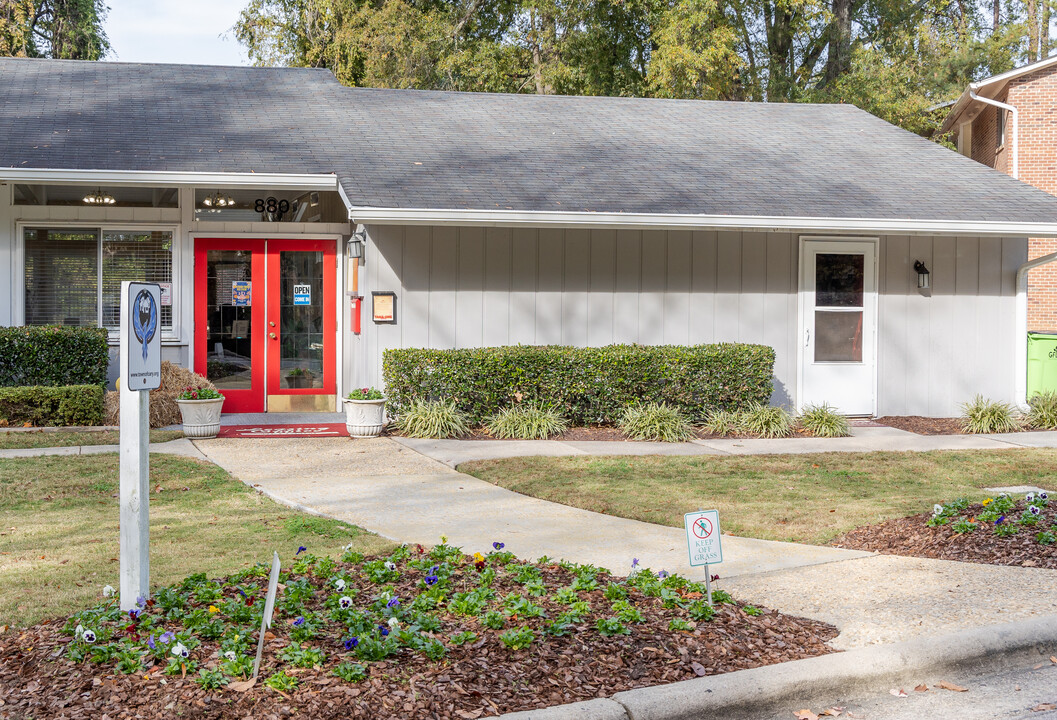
x=839, y=286
x=302, y=325
x=229, y=317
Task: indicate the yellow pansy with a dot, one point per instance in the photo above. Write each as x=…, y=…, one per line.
x=987, y=502
x=478, y=557
x=214, y=609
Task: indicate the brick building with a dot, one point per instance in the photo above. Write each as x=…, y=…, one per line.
x=1024, y=147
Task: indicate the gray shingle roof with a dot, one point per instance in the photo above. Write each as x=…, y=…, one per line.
x=441, y=150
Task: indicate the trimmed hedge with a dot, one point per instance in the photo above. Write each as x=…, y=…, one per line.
x=42, y=406
x=588, y=385
x=53, y=355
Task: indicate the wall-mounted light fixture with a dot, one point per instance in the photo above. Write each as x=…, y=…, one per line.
x=354, y=248
x=353, y=254
x=923, y=275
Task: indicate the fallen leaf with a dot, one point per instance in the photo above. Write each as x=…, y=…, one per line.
x=921, y=688
x=832, y=712
x=805, y=715
x=951, y=686
x=1044, y=706
x=242, y=685
x=698, y=669
x=898, y=692
x=1039, y=666
x=1053, y=658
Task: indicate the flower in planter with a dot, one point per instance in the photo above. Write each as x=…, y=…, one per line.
x=345, y=602
x=370, y=393
x=203, y=393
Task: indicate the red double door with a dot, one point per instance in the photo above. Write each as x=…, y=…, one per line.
x=265, y=322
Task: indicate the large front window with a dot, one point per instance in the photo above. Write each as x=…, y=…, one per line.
x=73, y=276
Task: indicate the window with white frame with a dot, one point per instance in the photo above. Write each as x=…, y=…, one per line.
x=73, y=275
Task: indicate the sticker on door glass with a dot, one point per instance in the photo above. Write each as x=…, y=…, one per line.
x=241, y=293
x=302, y=294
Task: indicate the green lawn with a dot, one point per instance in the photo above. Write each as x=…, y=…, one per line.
x=803, y=498
x=69, y=438
x=59, y=533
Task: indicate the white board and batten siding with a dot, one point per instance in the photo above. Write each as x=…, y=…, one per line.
x=470, y=287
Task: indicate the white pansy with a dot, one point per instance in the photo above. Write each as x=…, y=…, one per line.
x=937, y=509
x=230, y=655
x=394, y=623
x=390, y=565
x=345, y=602
x=180, y=650
x=108, y=591
x=339, y=584
x=88, y=636
x=1030, y=497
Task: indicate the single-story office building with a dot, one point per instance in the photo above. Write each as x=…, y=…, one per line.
x=882, y=268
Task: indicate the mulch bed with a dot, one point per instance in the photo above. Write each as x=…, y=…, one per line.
x=913, y=537
x=923, y=425
x=477, y=679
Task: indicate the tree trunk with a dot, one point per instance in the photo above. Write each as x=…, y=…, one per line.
x=1033, y=30
x=838, y=59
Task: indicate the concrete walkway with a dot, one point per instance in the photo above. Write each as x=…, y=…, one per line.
x=181, y=446
x=863, y=439
x=387, y=487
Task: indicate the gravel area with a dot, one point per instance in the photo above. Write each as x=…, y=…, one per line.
x=888, y=598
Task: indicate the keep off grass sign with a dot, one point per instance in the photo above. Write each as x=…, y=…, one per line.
x=702, y=537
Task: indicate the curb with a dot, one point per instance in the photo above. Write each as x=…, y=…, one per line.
x=821, y=680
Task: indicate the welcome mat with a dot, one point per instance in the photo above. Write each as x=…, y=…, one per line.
x=274, y=431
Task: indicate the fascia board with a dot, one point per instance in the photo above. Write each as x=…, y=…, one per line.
x=513, y=218
x=167, y=178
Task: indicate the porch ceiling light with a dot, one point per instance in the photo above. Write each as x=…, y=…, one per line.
x=217, y=201
x=923, y=275
x=98, y=198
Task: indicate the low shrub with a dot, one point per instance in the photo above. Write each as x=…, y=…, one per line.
x=656, y=422
x=823, y=421
x=432, y=419
x=981, y=415
x=724, y=422
x=528, y=421
x=53, y=355
x=588, y=386
x=43, y=406
x=766, y=421
x=1042, y=412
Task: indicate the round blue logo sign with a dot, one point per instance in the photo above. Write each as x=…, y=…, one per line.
x=144, y=318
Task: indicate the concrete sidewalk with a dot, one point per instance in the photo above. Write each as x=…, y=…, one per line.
x=386, y=487
x=863, y=439
x=180, y=446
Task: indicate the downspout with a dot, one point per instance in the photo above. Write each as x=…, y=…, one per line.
x=1015, y=157
x=1021, y=388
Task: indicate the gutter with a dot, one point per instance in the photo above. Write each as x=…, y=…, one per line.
x=1020, y=392
x=644, y=221
x=1013, y=141
x=152, y=177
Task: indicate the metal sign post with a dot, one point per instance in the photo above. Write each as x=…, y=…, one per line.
x=140, y=354
x=703, y=543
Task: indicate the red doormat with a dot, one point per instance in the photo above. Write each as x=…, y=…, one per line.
x=273, y=431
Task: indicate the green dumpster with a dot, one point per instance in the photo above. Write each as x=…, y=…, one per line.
x=1042, y=363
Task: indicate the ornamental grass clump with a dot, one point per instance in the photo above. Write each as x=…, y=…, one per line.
x=432, y=419
x=724, y=422
x=528, y=421
x=656, y=422
x=981, y=415
x=1042, y=412
x=823, y=421
x=768, y=422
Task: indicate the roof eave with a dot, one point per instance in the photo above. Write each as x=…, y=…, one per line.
x=599, y=220
x=307, y=181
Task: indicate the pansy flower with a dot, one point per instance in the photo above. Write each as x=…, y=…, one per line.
x=180, y=650
x=108, y=591
x=431, y=580
x=393, y=602
x=394, y=623
x=300, y=550
x=345, y=602
x=478, y=557
x=166, y=638
x=937, y=509
x=390, y=566
x=339, y=584
x=1000, y=519
x=351, y=643
x=299, y=621
x=384, y=630
x=634, y=562
x=150, y=643
x=498, y=545
x=1030, y=497
x=1043, y=495
x=987, y=502
x=230, y=655
x=88, y=636
x=662, y=574
x=213, y=609
x=1035, y=510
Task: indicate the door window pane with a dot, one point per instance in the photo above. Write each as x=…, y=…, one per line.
x=137, y=256
x=838, y=336
x=229, y=301
x=62, y=277
x=301, y=318
x=839, y=280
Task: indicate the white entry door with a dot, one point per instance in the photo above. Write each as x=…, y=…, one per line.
x=838, y=323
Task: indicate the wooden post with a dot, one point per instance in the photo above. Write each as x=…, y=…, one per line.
x=134, y=492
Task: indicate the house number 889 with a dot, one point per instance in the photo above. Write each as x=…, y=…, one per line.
x=272, y=206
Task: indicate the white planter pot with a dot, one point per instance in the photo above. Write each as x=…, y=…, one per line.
x=201, y=418
x=364, y=418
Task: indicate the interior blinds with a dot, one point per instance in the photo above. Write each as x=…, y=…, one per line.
x=62, y=277
x=137, y=256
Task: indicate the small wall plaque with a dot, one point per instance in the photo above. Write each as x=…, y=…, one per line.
x=383, y=307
